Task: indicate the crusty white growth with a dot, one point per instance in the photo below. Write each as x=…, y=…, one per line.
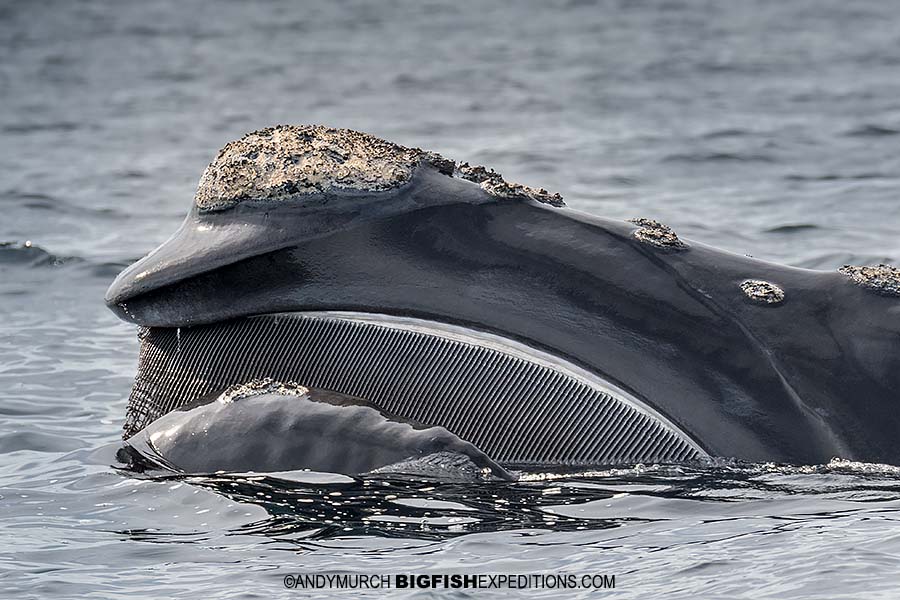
x=258, y=387
x=288, y=162
x=883, y=279
x=283, y=162
x=656, y=234
x=493, y=183
x=764, y=292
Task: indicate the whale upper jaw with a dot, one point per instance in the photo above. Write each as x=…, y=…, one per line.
x=208, y=240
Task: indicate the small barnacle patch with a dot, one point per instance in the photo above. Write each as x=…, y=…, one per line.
x=883, y=279
x=762, y=291
x=493, y=183
x=656, y=234
x=258, y=387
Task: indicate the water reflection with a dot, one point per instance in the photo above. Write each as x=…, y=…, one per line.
x=304, y=506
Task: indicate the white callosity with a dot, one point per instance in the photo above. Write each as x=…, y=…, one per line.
x=883, y=279
x=289, y=162
x=763, y=292
x=656, y=234
x=258, y=387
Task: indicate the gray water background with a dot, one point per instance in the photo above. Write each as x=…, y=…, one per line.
x=769, y=128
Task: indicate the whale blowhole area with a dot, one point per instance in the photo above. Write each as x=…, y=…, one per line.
x=290, y=162
x=763, y=292
x=883, y=279
x=260, y=387
x=657, y=234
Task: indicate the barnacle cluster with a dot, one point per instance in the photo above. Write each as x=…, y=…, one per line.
x=656, y=234
x=258, y=387
x=288, y=162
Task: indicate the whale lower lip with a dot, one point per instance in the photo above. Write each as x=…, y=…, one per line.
x=290, y=427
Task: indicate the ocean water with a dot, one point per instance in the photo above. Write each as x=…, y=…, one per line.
x=770, y=128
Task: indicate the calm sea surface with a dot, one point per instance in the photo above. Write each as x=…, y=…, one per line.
x=766, y=128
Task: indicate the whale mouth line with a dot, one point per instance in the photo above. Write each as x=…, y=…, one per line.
x=468, y=381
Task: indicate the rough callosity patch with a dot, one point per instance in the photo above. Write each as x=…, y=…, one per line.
x=656, y=234
x=258, y=387
x=292, y=161
x=493, y=183
x=762, y=291
x=286, y=161
x=883, y=279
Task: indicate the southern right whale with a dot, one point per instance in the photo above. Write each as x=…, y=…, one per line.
x=444, y=294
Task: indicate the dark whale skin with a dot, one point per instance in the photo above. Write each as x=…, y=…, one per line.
x=813, y=377
x=319, y=430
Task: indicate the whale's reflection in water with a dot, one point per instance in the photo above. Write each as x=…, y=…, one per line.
x=305, y=506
